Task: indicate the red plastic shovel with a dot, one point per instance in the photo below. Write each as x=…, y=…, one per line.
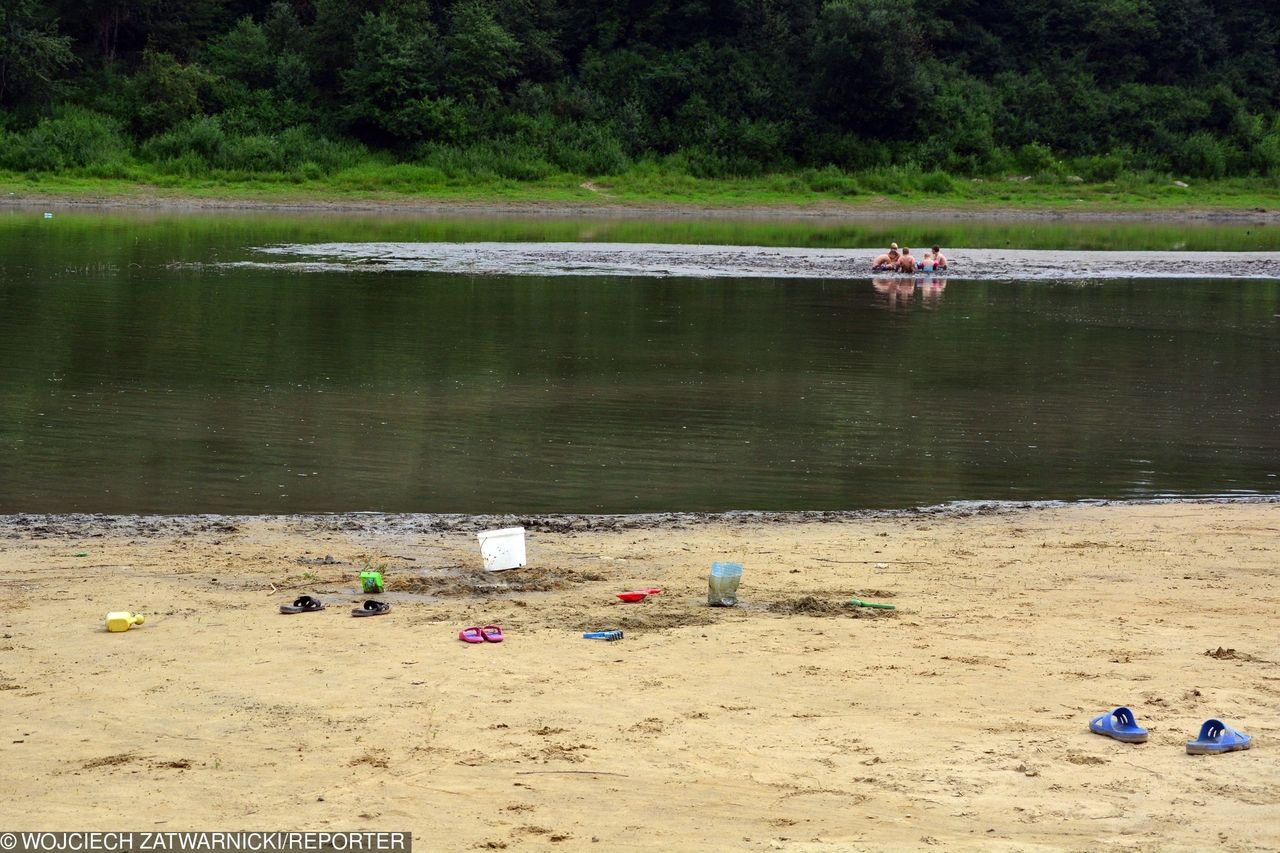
x=635, y=595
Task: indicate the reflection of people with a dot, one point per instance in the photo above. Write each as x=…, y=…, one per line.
x=887, y=262
x=906, y=263
x=931, y=288
x=894, y=289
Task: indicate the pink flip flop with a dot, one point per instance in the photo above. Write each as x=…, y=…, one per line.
x=491, y=634
x=471, y=635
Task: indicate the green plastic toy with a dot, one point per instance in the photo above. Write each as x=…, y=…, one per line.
x=371, y=581
x=858, y=602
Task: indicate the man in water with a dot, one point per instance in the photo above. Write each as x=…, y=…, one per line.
x=906, y=263
x=933, y=260
x=887, y=262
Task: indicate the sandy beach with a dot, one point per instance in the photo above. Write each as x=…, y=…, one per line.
x=792, y=722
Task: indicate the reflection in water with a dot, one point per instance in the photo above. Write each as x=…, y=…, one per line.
x=931, y=289
x=899, y=291
x=128, y=384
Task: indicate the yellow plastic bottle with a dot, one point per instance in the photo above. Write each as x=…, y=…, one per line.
x=123, y=620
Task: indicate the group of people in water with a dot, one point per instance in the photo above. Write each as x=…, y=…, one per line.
x=902, y=261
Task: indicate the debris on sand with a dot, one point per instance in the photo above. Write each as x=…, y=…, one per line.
x=806, y=606
x=326, y=560
x=813, y=606
x=1229, y=654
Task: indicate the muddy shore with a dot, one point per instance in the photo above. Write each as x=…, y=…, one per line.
x=82, y=525
x=793, y=721
x=712, y=261
x=867, y=210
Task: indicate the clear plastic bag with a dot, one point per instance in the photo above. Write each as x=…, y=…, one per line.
x=722, y=584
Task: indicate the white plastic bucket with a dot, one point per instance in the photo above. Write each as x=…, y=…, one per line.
x=502, y=549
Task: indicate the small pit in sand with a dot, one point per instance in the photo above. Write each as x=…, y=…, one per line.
x=460, y=583
x=653, y=619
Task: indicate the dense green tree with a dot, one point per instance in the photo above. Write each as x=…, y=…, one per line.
x=32, y=53
x=481, y=54
x=720, y=87
x=391, y=85
x=535, y=25
x=242, y=54
x=867, y=66
x=167, y=92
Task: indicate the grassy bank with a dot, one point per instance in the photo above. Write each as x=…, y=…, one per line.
x=640, y=186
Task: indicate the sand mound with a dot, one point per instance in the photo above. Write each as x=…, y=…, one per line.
x=812, y=606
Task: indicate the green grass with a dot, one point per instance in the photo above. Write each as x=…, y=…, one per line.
x=647, y=184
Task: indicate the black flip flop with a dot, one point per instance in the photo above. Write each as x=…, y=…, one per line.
x=303, y=604
x=371, y=608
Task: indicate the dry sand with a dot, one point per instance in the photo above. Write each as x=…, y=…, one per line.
x=958, y=722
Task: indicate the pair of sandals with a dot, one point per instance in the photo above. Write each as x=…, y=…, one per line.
x=1215, y=736
x=307, y=604
x=486, y=634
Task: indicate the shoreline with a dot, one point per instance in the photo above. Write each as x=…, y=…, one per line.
x=791, y=721
x=620, y=209
x=377, y=522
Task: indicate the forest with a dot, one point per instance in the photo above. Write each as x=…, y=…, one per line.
x=459, y=90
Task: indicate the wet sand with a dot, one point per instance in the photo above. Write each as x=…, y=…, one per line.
x=958, y=721
x=711, y=261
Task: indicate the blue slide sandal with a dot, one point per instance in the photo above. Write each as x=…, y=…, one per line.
x=1216, y=736
x=1119, y=724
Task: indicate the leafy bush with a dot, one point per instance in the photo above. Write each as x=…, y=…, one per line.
x=831, y=179
x=1034, y=157
x=196, y=140
x=1201, y=156
x=1100, y=168
x=890, y=180
x=200, y=144
x=72, y=137
x=589, y=150
x=1266, y=154
x=457, y=164
x=937, y=183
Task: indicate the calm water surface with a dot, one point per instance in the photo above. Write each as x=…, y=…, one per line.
x=143, y=370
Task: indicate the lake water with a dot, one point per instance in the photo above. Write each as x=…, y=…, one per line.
x=268, y=364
